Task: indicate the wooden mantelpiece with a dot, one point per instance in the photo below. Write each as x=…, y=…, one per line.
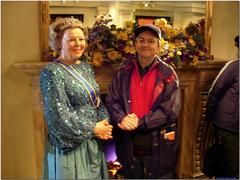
x=194, y=84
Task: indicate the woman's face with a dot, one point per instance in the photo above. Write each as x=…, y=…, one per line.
x=73, y=44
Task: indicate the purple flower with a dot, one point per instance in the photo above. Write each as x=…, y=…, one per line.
x=169, y=60
x=183, y=58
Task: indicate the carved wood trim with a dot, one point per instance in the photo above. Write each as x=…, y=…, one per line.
x=187, y=125
x=200, y=135
x=44, y=23
x=208, y=25
x=40, y=128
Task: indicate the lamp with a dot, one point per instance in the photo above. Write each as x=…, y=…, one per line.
x=147, y=4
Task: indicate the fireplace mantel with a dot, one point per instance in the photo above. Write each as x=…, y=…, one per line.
x=194, y=84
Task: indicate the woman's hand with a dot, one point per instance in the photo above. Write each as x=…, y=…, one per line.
x=103, y=130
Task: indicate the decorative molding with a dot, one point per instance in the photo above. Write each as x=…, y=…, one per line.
x=44, y=24
x=208, y=24
x=103, y=10
x=200, y=135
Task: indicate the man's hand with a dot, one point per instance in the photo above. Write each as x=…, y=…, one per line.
x=129, y=122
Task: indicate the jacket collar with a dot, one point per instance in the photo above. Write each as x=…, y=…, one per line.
x=130, y=63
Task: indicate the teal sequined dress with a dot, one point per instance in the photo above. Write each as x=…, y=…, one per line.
x=72, y=151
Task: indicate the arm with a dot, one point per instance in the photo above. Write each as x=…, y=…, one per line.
x=219, y=87
x=113, y=101
x=165, y=110
x=102, y=112
x=102, y=130
x=105, y=129
x=101, y=109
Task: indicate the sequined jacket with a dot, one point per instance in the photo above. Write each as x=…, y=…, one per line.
x=163, y=114
x=69, y=113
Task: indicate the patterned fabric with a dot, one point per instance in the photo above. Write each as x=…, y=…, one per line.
x=92, y=94
x=71, y=118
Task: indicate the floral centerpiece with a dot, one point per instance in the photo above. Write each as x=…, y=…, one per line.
x=108, y=44
x=183, y=46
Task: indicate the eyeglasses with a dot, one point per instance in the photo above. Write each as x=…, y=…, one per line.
x=149, y=42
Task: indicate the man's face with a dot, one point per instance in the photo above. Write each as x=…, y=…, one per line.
x=147, y=45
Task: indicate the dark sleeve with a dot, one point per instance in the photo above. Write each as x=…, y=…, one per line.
x=219, y=87
x=167, y=111
x=114, y=101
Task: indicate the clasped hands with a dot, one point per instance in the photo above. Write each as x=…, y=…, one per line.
x=129, y=122
x=103, y=130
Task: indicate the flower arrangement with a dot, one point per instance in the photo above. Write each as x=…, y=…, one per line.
x=108, y=44
x=183, y=46
x=114, y=169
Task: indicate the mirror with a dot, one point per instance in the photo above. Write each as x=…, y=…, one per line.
x=178, y=13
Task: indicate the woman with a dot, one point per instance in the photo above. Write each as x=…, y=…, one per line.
x=76, y=119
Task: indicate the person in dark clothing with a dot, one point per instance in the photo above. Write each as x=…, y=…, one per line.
x=223, y=112
x=144, y=102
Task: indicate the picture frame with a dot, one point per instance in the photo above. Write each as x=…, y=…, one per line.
x=77, y=16
x=142, y=20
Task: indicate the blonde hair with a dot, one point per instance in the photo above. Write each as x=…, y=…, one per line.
x=57, y=28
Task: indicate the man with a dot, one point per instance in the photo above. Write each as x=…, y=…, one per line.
x=144, y=103
x=223, y=111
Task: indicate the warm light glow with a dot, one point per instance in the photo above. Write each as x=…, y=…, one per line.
x=149, y=4
x=109, y=149
x=112, y=12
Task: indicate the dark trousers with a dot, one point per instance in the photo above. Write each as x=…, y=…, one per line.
x=141, y=169
x=222, y=157
x=230, y=144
